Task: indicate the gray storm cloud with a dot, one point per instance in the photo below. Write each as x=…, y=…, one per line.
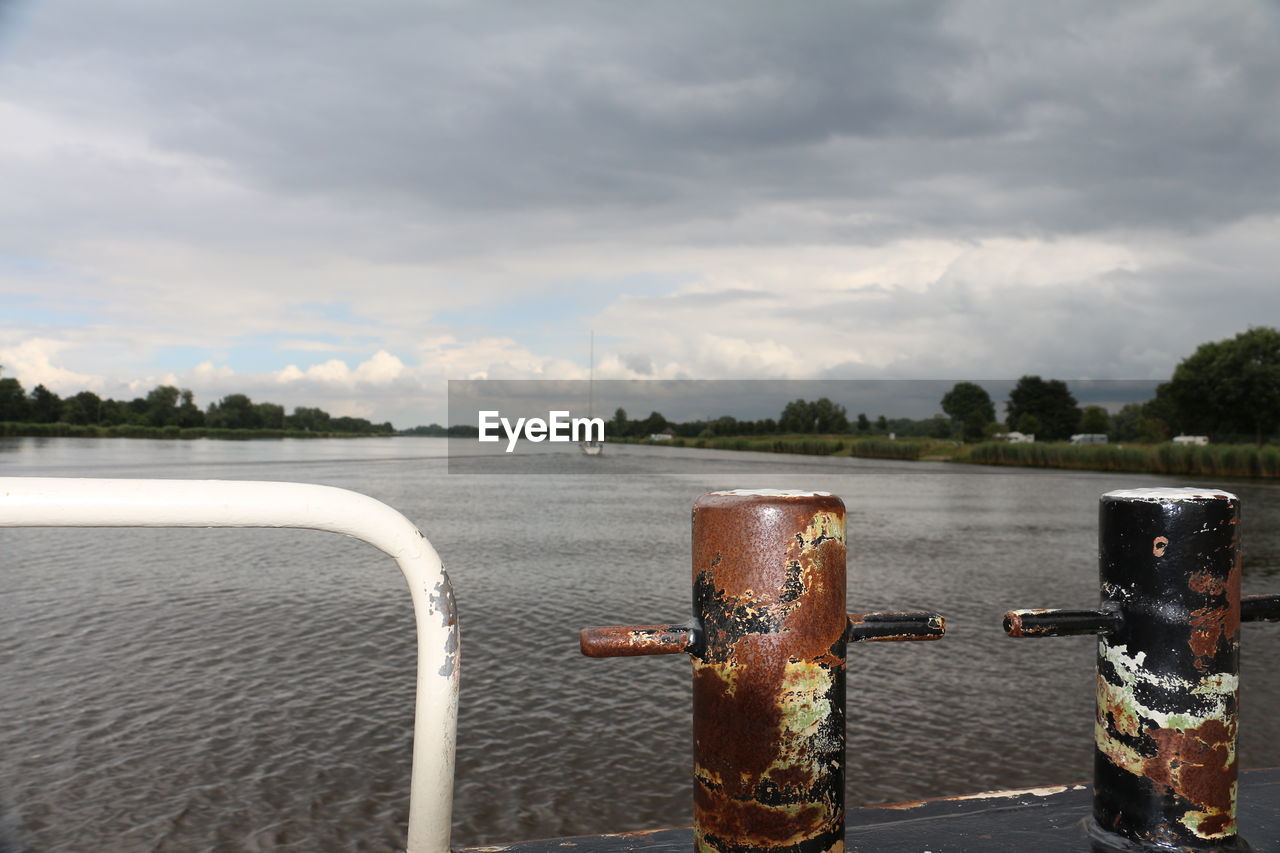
x=1075, y=117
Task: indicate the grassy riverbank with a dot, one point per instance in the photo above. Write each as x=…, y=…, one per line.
x=818, y=445
x=61, y=430
x=1228, y=460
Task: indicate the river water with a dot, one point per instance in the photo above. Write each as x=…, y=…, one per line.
x=253, y=690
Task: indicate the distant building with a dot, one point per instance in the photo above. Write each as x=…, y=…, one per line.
x=666, y=435
x=1191, y=439
x=1016, y=437
x=1089, y=438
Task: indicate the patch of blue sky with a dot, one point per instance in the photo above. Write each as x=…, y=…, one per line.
x=261, y=353
x=267, y=353
x=26, y=265
x=13, y=23
x=555, y=322
x=340, y=312
x=36, y=311
x=175, y=359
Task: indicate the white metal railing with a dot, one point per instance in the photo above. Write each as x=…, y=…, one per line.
x=68, y=502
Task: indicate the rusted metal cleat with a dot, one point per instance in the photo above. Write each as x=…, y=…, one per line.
x=768, y=641
x=1168, y=664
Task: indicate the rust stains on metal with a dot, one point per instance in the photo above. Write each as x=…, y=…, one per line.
x=725, y=822
x=1188, y=759
x=614, y=641
x=1217, y=623
x=768, y=690
x=1198, y=766
x=1158, y=545
x=1041, y=622
x=1013, y=622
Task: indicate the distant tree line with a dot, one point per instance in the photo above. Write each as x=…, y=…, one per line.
x=1228, y=390
x=821, y=416
x=969, y=414
x=622, y=426
x=437, y=431
x=167, y=406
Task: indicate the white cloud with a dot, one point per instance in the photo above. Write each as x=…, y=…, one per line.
x=381, y=369
x=206, y=372
x=447, y=357
x=31, y=362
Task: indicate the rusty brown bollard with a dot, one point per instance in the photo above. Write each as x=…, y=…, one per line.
x=1168, y=664
x=768, y=645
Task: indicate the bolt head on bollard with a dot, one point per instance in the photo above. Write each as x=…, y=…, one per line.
x=769, y=671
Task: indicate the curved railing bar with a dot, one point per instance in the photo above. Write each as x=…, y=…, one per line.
x=69, y=502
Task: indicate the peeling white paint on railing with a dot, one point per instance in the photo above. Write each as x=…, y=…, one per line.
x=67, y=502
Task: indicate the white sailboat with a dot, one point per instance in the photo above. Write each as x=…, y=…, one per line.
x=592, y=448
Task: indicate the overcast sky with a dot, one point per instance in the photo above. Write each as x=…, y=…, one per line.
x=347, y=204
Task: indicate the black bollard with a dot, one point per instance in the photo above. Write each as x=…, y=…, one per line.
x=1168, y=663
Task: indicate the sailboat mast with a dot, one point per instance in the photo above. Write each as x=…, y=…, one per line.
x=592, y=447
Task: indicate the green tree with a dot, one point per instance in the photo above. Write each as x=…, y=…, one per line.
x=83, y=408
x=1095, y=420
x=970, y=408
x=46, y=406
x=310, y=419
x=14, y=405
x=1230, y=386
x=1049, y=402
x=618, y=426
x=653, y=424
x=797, y=416
x=136, y=411
x=348, y=424
x=189, y=414
x=1146, y=422
x=234, y=411
x=270, y=415
x=882, y=425
x=829, y=417
x=975, y=426
x=162, y=406
x=864, y=424
x=723, y=425
x=1154, y=431
x=1127, y=423
x=113, y=412
x=1028, y=424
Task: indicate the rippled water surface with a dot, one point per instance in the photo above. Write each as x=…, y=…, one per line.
x=253, y=690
